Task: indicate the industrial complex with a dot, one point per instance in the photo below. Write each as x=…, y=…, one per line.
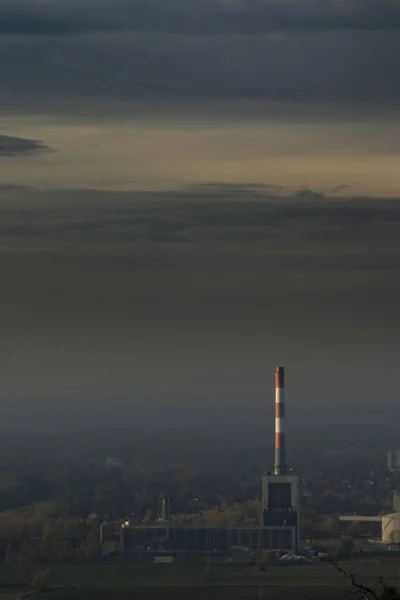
x=390, y=523
x=279, y=522
x=278, y=530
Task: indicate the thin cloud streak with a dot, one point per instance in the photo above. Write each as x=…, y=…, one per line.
x=15, y=146
x=163, y=155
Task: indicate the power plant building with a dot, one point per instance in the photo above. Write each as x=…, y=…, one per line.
x=279, y=522
x=195, y=540
x=281, y=489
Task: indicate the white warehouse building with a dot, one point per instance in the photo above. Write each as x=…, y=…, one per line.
x=391, y=528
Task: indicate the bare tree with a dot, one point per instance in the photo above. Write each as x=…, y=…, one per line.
x=360, y=591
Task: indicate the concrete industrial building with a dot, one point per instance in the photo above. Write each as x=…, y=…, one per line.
x=391, y=528
x=279, y=528
x=396, y=501
x=163, y=510
x=393, y=461
x=197, y=540
x=390, y=523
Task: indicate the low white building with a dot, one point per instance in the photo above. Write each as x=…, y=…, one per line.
x=391, y=528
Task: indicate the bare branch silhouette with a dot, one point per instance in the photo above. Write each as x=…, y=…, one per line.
x=366, y=593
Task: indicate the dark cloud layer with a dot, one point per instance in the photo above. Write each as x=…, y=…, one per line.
x=98, y=72
x=15, y=146
x=207, y=216
x=196, y=16
x=12, y=187
x=136, y=53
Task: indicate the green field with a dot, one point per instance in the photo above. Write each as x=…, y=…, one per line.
x=201, y=593
x=186, y=574
x=195, y=581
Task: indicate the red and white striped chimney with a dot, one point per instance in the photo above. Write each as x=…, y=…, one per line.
x=280, y=450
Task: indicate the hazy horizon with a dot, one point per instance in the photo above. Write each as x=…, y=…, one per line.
x=176, y=309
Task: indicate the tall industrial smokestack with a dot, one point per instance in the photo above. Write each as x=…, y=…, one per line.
x=280, y=450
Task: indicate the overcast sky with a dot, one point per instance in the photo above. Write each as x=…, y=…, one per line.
x=157, y=283
x=153, y=95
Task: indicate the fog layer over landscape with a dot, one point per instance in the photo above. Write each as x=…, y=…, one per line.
x=123, y=311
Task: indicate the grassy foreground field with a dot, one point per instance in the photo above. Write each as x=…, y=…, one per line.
x=202, y=593
x=187, y=574
x=196, y=582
